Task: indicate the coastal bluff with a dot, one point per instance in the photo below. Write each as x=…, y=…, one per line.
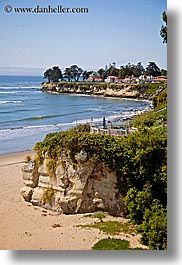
x=84, y=187
x=98, y=89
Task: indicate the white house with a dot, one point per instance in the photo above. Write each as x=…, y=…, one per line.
x=111, y=79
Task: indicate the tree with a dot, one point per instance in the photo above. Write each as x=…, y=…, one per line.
x=131, y=69
x=48, y=74
x=53, y=74
x=163, y=72
x=73, y=73
x=57, y=74
x=113, y=71
x=152, y=69
x=102, y=73
x=94, y=75
x=86, y=74
x=122, y=72
x=163, y=31
x=140, y=69
x=67, y=74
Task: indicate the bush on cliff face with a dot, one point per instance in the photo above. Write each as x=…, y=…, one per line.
x=102, y=148
x=51, y=165
x=160, y=101
x=48, y=195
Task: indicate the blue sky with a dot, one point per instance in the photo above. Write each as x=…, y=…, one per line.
x=112, y=31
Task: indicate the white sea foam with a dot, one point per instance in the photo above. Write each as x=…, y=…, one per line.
x=46, y=128
x=10, y=102
x=12, y=92
x=19, y=87
x=17, y=92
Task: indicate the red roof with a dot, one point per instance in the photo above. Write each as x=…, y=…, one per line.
x=112, y=76
x=96, y=78
x=160, y=79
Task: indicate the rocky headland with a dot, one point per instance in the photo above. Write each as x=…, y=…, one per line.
x=101, y=89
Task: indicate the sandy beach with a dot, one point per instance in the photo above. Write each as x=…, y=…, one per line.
x=27, y=227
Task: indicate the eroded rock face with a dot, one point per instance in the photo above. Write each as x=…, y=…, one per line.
x=122, y=91
x=85, y=186
x=26, y=192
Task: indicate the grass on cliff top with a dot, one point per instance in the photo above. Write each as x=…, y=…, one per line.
x=100, y=215
x=152, y=88
x=112, y=227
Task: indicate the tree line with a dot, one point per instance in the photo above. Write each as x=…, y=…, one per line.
x=74, y=72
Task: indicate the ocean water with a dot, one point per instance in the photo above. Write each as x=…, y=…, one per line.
x=27, y=114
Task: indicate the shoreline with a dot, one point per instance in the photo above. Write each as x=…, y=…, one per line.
x=16, y=153
x=14, y=158
x=11, y=158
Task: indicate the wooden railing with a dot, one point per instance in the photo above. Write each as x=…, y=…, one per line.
x=119, y=130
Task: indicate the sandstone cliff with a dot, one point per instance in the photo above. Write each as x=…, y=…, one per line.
x=86, y=186
x=106, y=90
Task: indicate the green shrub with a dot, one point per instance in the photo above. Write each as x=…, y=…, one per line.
x=38, y=159
x=28, y=159
x=162, y=99
x=112, y=227
x=111, y=244
x=101, y=147
x=146, y=119
x=48, y=194
x=51, y=165
x=154, y=227
x=99, y=215
x=137, y=202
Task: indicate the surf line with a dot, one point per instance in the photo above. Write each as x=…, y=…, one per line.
x=11, y=164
